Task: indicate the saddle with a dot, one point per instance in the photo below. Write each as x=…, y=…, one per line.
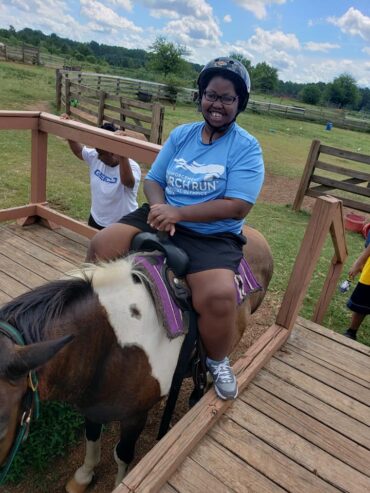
x=164, y=266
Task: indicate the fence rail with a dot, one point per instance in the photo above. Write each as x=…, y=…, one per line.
x=330, y=178
x=338, y=117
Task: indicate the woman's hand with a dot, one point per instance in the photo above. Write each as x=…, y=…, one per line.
x=163, y=217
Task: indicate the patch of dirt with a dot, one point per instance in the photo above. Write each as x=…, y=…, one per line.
x=39, y=106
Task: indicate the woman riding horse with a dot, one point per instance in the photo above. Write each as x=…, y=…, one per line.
x=201, y=186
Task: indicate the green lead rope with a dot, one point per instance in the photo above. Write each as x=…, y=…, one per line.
x=32, y=397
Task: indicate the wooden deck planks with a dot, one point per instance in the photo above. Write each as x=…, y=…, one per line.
x=302, y=424
x=33, y=255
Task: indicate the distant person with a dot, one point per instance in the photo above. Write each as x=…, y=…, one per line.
x=114, y=181
x=359, y=301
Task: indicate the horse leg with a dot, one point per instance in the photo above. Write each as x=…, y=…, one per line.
x=125, y=448
x=84, y=474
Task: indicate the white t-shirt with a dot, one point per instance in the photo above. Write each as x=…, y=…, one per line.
x=110, y=199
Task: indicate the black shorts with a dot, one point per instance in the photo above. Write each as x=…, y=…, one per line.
x=205, y=251
x=91, y=222
x=359, y=301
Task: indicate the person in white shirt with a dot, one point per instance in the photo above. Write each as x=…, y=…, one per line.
x=114, y=181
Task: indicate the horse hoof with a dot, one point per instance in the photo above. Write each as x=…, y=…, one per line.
x=73, y=487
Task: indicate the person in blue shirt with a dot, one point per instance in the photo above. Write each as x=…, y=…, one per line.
x=201, y=186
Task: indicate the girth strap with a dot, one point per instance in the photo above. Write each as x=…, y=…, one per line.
x=187, y=348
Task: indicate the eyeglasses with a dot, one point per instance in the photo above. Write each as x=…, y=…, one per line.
x=212, y=97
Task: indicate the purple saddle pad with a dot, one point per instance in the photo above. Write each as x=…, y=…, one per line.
x=153, y=265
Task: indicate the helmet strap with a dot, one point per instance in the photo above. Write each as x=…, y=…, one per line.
x=215, y=130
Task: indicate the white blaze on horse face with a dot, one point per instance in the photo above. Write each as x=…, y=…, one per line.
x=117, y=292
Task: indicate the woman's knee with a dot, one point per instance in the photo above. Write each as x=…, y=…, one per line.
x=217, y=300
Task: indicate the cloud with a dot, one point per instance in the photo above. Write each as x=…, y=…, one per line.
x=178, y=8
x=125, y=4
x=263, y=40
x=366, y=50
x=100, y=14
x=324, y=47
x=353, y=22
x=189, y=32
x=227, y=18
x=258, y=7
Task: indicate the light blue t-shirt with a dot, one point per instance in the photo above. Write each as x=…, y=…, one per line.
x=191, y=172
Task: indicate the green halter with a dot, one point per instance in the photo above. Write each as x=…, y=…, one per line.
x=31, y=403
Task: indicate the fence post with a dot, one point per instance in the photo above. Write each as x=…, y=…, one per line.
x=307, y=173
x=102, y=96
x=67, y=96
x=58, y=88
x=157, y=121
x=122, y=116
x=38, y=166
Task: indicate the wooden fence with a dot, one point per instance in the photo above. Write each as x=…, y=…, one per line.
x=132, y=88
x=23, y=53
x=338, y=117
x=324, y=178
x=95, y=106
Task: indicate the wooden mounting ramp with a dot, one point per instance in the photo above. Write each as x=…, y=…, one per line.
x=302, y=425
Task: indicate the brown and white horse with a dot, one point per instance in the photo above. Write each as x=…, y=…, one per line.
x=97, y=343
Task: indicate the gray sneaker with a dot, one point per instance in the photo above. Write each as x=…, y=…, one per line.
x=224, y=380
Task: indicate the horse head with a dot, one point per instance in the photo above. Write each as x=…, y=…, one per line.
x=16, y=364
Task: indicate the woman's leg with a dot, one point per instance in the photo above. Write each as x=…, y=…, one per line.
x=214, y=299
x=111, y=242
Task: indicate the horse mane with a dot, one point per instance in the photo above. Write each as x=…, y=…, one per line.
x=35, y=310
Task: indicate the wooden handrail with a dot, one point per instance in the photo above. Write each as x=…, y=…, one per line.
x=43, y=124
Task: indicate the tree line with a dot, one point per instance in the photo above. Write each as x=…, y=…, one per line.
x=165, y=62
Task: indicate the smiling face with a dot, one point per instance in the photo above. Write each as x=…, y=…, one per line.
x=217, y=113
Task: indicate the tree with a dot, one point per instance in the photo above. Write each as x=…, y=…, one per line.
x=343, y=91
x=311, y=94
x=166, y=57
x=265, y=77
x=247, y=63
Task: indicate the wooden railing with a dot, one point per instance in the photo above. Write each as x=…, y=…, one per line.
x=41, y=125
x=95, y=105
x=355, y=189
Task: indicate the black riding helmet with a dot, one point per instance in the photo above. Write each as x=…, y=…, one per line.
x=230, y=69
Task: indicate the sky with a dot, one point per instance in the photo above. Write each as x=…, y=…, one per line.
x=306, y=40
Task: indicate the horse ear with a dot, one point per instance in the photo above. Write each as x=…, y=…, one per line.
x=30, y=357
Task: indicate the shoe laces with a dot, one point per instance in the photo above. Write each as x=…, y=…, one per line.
x=223, y=372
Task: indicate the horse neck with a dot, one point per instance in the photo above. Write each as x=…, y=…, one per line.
x=74, y=368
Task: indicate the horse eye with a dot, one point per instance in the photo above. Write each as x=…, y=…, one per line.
x=136, y=278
